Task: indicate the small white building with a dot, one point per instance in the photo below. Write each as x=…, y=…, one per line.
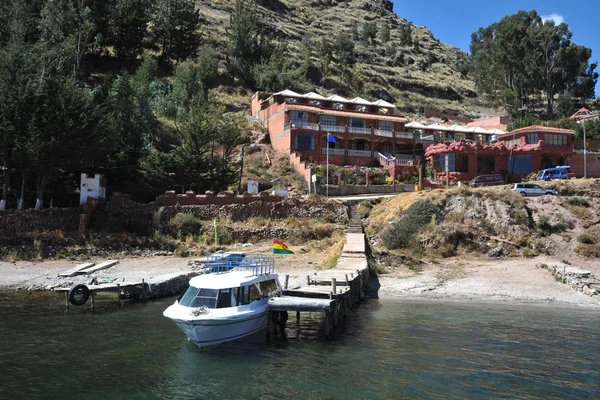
x=252, y=187
x=92, y=186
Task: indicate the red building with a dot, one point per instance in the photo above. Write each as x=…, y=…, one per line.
x=517, y=153
x=366, y=133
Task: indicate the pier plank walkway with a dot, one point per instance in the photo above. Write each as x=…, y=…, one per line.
x=332, y=291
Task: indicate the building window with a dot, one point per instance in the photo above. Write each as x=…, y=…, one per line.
x=457, y=162
x=520, y=165
x=513, y=142
x=328, y=120
x=550, y=161
x=387, y=148
x=357, y=123
x=305, y=142
x=386, y=126
x=485, y=164
x=532, y=138
x=556, y=140
x=297, y=117
x=362, y=145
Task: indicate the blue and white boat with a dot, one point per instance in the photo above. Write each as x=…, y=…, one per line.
x=229, y=301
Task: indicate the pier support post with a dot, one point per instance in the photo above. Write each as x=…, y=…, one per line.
x=297, y=317
x=287, y=281
x=308, y=280
x=327, y=324
x=119, y=295
x=334, y=286
x=67, y=299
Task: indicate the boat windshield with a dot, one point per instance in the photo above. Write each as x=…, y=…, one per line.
x=195, y=297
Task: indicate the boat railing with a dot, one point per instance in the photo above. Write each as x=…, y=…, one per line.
x=258, y=264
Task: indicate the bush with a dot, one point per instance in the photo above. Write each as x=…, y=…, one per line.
x=586, y=239
x=182, y=251
x=185, y=223
x=578, y=201
x=400, y=234
x=224, y=236
x=547, y=228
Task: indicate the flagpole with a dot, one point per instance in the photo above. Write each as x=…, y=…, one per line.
x=327, y=169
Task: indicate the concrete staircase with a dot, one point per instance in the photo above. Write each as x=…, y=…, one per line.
x=355, y=223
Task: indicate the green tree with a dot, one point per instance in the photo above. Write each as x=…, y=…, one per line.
x=67, y=30
x=384, y=33
x=406, y=35
x=192, y=80
x=127, y=27
x=65, y=133
x=343, y=51
x=526, y=56
x=324, y=56
x=174, y=28
x=244, y=40
x=369, y=32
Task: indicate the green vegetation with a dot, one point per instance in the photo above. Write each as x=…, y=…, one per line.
x=585, y=238
x=401, y=234
x=521, y=57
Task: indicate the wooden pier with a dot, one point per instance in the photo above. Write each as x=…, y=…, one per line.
x=333, y=292
x=157, y=287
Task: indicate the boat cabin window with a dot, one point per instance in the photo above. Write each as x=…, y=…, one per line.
x=228, y=298
x=195, y=297
x=269, y=288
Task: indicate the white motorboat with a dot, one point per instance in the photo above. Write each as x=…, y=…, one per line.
x=228, y=302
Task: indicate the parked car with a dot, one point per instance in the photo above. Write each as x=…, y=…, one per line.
x=560, y=172
x=531, y=189
x=487, y=180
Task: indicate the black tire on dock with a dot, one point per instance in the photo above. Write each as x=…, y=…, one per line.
x=79, y=295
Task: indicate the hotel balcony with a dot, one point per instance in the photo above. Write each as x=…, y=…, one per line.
x=333, y=152
x=379, y=132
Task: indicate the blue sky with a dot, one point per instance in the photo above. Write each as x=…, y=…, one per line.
x=453, y=21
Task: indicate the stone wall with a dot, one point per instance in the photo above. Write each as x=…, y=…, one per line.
x=24, y=226
x=226, y=198
x=350, y=190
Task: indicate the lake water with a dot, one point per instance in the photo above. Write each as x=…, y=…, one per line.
x=391, y=350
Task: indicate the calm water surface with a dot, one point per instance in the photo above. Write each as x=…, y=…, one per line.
x=390, y=350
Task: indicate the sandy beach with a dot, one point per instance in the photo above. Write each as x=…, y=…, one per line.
x=520, y=280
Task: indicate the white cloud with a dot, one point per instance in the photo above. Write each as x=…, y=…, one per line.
x=557, y=18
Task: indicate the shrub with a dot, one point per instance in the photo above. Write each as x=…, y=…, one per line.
x=182, y=251
x=224, y=236
x=547, y=228
x=578, y=201
x=586, y=239
x=185, y=223
x=400, y=234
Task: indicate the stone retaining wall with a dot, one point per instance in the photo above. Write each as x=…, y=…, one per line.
x=350, y=190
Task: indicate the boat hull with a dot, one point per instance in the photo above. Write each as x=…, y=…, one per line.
x=211, y=332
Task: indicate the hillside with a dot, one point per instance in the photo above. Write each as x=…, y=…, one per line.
x=426, y=73
x=495, y=222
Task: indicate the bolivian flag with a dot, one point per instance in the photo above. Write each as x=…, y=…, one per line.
x=280, y=248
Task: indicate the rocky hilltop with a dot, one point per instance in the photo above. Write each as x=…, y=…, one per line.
x=425, y=73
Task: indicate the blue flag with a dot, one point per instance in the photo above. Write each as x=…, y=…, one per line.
x=331, y=138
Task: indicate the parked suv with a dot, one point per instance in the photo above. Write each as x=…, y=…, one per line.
x=486, y=180
x=560, y=172
x=531, y=189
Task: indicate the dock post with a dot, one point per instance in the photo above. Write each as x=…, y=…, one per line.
x=335, y=312
x=327, y=324
x=269, y=317
x=334, y=286
x=119, y=294
x=297, y=317
x=346, y=279
x=308, y=280
x=287, y=281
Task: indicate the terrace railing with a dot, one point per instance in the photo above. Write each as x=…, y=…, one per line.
x=359, y=131
x=222, y=262
x=333, y=152
x=380, y=132
x=360, y=153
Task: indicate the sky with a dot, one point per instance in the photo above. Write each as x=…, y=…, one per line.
x=453, y=22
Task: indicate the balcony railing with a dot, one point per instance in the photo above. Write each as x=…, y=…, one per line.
x=334, y=152
x=305, y=125
x=333, y=128
x=380, y=132
x=360, y=131
x=360, y=153
x=404, y=135
x=425, y=137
